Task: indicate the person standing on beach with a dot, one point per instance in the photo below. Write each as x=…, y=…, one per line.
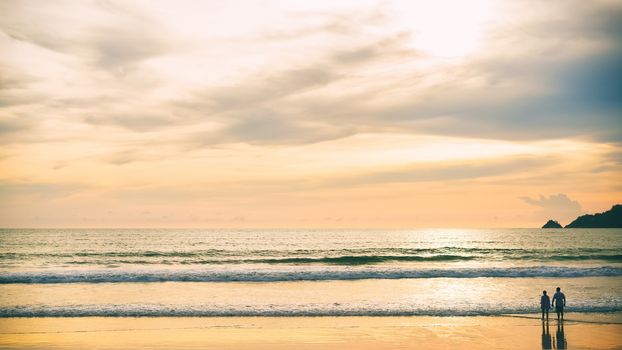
x=559, y=301
x=545, y=305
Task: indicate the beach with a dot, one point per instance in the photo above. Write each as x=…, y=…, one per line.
x=420, y=332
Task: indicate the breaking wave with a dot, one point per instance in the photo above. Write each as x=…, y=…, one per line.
x=296, y=274
x=286, y=311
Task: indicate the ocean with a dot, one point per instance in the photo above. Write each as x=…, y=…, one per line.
x=207, y=272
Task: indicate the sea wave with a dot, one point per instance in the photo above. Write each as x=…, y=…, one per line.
x=287, y=311
x=310, y=256
x=295, y=274
x=353, y=259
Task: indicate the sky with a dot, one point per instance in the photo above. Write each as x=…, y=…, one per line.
x=308, y=114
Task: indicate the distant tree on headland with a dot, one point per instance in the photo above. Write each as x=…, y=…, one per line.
x=608, y=219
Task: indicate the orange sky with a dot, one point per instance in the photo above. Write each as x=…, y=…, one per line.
x=308, y=114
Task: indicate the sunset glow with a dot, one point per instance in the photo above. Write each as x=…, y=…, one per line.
x=308, y=114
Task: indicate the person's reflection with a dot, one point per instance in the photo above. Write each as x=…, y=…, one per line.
x=546, y=336
x=561, y=337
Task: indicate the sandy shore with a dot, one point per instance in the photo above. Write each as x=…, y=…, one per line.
x=309, y=333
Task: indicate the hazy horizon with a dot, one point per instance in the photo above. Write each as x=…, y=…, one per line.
x=356, y=114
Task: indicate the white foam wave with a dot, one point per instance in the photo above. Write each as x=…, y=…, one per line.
x=295, y=274
x=180, y=311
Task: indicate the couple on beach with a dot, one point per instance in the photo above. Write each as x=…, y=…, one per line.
x=559, y=302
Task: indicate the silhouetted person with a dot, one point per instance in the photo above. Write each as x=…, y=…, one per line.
x=561, y=337
x=546, y=336
x=559, y=301
x=545, y=305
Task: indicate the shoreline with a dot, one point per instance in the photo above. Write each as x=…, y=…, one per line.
x=579, y=331
x=588, y=317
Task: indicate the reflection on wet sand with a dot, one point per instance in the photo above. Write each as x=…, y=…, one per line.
x=557, y=342
x=561, y=337
x=546, y=336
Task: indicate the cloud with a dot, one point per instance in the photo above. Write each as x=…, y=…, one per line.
x=122, y=157
x=559, y=207
x=392, y=46
x=259, y=90
x=114, y=38
x=446, y=172
x=13, y=125
x=118, y=50
x=15, y=129
x=583, y=99
x=15, y=87
x=39, y=189
x=521, y=96
x=341, y=24
x=133, y=120
x=263, y=88
x=274, y=129
x=273, y=108
x=450, y=174
x=372, y=82
x=536, y=94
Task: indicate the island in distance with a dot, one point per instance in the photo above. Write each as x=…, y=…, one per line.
x=552, y=224
x=611, y=218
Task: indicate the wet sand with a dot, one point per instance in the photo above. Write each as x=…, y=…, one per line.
x=498, y=332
